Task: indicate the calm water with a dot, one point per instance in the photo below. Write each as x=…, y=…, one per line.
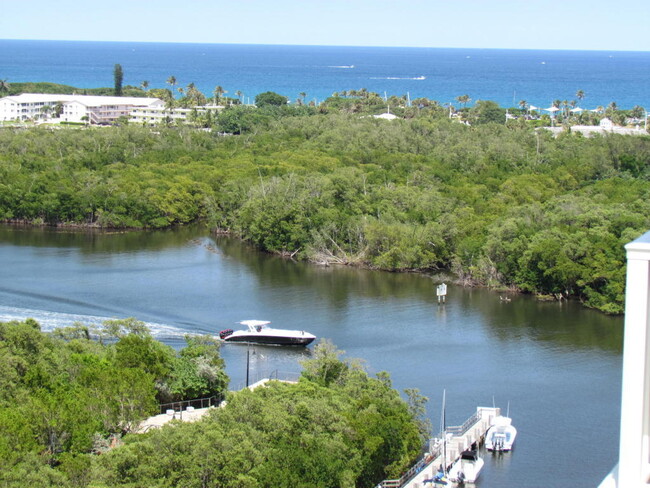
x=558, y=365
x=505, y=76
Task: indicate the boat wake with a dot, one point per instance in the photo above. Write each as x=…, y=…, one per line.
x=54, y=320
x=399, y=78
x=342, y=67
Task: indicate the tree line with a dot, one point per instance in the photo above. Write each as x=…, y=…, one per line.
x=500, y=206
x=71, y=403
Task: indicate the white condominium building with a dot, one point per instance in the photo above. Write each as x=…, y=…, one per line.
x=75, y=108
x=155, y=115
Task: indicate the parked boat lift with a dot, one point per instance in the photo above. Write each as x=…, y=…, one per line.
x=459, y=439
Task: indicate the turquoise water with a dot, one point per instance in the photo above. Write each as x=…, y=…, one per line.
x=505, y=76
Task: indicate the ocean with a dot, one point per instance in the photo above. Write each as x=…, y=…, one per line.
x=442, y=74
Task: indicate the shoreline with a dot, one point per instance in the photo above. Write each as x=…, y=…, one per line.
x=437, y=276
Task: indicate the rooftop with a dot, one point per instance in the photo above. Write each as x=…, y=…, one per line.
x=87, y=100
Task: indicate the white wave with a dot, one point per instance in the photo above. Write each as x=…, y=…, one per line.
x=399, y=78
x=54, y=320
x=342, y=67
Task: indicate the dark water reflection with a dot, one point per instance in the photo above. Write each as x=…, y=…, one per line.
x=562, y=324
x=558, y=364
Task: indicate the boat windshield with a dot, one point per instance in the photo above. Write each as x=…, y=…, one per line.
x=255, y=325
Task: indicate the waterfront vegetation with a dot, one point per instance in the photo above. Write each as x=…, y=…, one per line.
x=69, y=393
x=70, y=401
x=500, y=206
x=494, y=201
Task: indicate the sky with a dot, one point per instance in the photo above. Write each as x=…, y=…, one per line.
x=508, y=24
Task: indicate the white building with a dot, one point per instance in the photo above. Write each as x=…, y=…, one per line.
x=75, y=108
x=605, y=126
x=154, y=115
x=633, y=469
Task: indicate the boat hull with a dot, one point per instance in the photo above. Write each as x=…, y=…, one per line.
x=500, y=437
x=271, y=340
x=466, y=470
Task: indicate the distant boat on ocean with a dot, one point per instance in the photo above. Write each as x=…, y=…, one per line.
x=254, y=69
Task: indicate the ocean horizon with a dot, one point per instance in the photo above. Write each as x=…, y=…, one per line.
x=505, y=76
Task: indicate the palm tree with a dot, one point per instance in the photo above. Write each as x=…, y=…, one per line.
x=523, y=104
x=46, y=110
x=580, y=95
x=4, y=87
x=239, y=94
x=195, y=97
x=637, y=112
x=565, y=107
x=464, y=99
x=302, y=96
x=191, y=91
x=169, y=101
x=58, y=109
x=171, y=81
x=145, y=85
x=218, y=91
x=611, y=110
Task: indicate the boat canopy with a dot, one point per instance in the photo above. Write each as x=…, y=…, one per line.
x=471, y=455
x=254, y=323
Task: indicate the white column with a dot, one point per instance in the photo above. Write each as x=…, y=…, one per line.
x=634, y=449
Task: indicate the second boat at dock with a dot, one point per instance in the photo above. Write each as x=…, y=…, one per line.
x=501, y=435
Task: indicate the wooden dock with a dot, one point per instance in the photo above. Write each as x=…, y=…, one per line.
x=459, y=438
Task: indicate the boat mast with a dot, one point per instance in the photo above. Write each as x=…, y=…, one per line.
x=444, y=434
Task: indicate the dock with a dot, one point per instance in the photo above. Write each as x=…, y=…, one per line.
x=459, y=438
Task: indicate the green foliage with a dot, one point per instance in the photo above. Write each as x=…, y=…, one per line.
x=144, y=354
x=336, y=428
x=199, y=371
x=270, y=98
x=486, y=111
x=238, y=119
x=118, y=77
x=61, y=393
x=335, y=187
x=17, y=88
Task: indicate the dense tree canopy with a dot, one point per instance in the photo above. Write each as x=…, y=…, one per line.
x=68, y=396
x=64, y=395
x=270, y=98
x=486, y=201
x=338, y=428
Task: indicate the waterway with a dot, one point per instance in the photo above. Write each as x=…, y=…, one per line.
x=558, y=365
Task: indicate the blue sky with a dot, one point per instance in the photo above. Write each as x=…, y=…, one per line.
x=527, y=24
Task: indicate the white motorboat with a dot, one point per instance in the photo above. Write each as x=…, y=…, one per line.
x=501, y=434
x=467, y=468
x=257, y=331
